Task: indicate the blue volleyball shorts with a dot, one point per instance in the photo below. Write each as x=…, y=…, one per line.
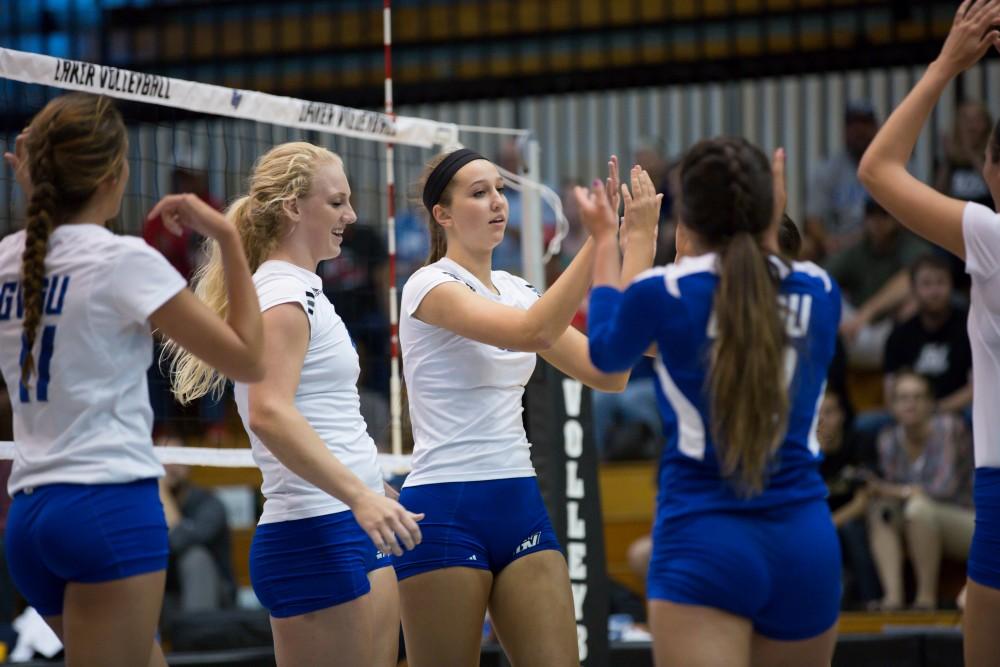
x=305, y=565
x=779, y=568
x=482, y=524
x=83, y=533
x=984, y=555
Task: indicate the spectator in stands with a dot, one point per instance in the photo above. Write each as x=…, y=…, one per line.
x=845, y=456
x=959, y=174
x=412, y=244
x=184, y=254
x=627, y=425
x=924, y=492
x=507, y=255
x=8, y=594
x=199, y=570
x=935, y=341
x=873, y=276
x=358, y=283
x=650, y=154
x=835, y=207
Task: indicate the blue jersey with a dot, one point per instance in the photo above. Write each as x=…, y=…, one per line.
x=672, y=307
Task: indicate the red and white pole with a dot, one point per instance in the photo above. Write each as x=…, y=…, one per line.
x=395, y=393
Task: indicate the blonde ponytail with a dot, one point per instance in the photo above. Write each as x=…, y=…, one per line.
x=283, y=173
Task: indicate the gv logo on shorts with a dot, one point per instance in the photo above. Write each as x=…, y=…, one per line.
x=529, y=543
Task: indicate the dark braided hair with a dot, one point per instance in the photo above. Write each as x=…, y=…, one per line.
x=76, y=142
x=728, y=201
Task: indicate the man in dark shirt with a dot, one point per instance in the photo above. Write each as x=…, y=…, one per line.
x=935, y=341
x=357, y=284
x=199, y=574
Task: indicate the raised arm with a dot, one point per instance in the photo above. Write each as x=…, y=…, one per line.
x=233, y=346
x=932, y=215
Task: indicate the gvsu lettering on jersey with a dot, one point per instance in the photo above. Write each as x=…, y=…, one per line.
x=796, y=309
x=53, y=297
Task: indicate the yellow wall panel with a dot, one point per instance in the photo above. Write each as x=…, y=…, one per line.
x=439, y=20
x=406, y=24
x=262, y=37
x=468, y=20
x=560, y=14
x=349, y=30
x=173, y=41
x=530, y=16
x=321, y=31
x=653, y=11
x=292, y=31
x=622, y=13
x=203, y=38
x=591, y=13
x=470, y=68
x=499, y=18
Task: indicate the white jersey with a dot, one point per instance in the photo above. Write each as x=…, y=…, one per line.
x=981, y=230
x=327, y=396
x=465, y=396
x=85, y=416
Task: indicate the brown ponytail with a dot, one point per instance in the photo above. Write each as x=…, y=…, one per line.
x=439, y=241
x=76, y=142
x=728, y=201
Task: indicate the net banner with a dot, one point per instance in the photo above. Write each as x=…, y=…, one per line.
x=236, y=103
x=556, y=409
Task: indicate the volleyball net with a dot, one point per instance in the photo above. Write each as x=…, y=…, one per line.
x=197, y=137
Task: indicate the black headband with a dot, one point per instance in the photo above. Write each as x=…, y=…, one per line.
x=443, y=173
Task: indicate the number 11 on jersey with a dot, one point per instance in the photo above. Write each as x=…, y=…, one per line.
x=43, y=364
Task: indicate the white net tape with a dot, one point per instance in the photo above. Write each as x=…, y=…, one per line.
x=229, y=458
x=233, y=102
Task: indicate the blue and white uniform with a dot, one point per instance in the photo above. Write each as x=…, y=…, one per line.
x=773, y=558
x=981, y=231
x=471, y=472
x=308, y=552
x=86, y=507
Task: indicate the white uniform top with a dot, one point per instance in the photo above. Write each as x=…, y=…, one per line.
x=327, y=396
x=85, y=417
x=981, y=229
x=465, y=396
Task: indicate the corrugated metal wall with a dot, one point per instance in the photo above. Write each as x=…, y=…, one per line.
x=804, y=114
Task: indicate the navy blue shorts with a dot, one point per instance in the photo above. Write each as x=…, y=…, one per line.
x=779, y=568
x=310, y=564
x=485, y=525
x=83, y=533
x=984, y=555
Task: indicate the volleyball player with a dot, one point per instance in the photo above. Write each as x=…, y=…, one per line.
x=469, y=338
x=320, y=557
x=970, y=231
x=86, y=538
x=745, y=566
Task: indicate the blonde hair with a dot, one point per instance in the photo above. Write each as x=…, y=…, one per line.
x=283, y=173
x=76, y=142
